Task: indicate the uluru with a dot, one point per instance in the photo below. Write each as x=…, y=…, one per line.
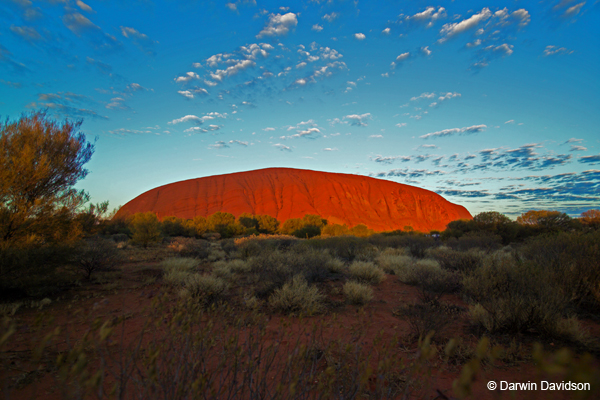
x=286, y=193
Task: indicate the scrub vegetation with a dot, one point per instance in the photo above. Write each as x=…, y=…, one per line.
x=244, y=307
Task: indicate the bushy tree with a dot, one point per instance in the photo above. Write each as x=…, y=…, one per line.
x=291, y=225
x=40, y=162
x=591, y=218
x=546, y=220
x=145, y=228
x=267, y=224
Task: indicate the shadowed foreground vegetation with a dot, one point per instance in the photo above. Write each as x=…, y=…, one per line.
x=268, y=317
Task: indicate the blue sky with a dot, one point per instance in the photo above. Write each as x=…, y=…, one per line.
x=493, y=105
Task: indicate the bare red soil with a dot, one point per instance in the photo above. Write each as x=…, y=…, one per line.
x=286, y=193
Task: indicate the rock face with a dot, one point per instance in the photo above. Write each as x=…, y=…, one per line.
x=291, y=193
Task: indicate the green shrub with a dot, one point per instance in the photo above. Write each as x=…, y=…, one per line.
x=357, y=293
x=176, y=277
x=335, y=265
x=145, y=228
x=347, y=248
x=297, y=296
x=190, y=247
x=366, y=272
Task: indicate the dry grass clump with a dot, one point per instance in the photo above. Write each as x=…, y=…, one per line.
x=390, y=261
x=335, y=265
x=185, y=264
x=206, y=288
x=262, y=236
x=357, y=293
x=366, y=272
x=216, y=254
x=178, y=269
x=408, y=270
x=297, y=296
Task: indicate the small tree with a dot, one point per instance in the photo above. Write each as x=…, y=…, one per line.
x=145, y=228
x=40, y=162
x=591, y=218
x=267, y=224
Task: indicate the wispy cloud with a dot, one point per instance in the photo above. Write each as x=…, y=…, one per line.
x=358, y=120
x=282, y=147
x=554, y=50
x=453, y=131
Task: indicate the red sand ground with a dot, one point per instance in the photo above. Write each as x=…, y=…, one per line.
x=74, y=316
x=291, y=193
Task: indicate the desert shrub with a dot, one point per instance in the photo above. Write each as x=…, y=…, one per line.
x=478, y=239
x=452, y=260
x=145, y=228
x=424, y=318
x=346, y=248
x=416, y=244
x=307, y=232
x=185, y=264
x=297, y=296
x=406, y=269
x=357, y=293
x=216, y=253
x=95, y=255
x=229, y=246
x=206, y=288
x=221, y=269
x=574, y=260
x=366, y=272
x=434, y=281
x=390, y=262
x=335, y=265
x=175, y=277
x=252, y=246
x=239, y=266
x=513, y=296
x=119, y=237
x=190, y=247
x=34, y=270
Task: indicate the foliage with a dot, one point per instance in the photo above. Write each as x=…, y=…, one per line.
x=366, y=272
x=40, y=162
x=591, y=218
x=297, y=296
x=95, y=254
x=547, y=221
x=225, y=224
x=357, y=293
x=205, y=288
x=574, y=260
x=145, y=228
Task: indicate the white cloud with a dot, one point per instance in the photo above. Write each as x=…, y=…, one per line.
x=282, y=147
x=360, y=36
x=330, y=149
x=402, y=57
x=231, y=6
x=505, y=48
x=425, y=50
x=317, y=28
x=452, y=29
x=510, y=121
x=187, y=77
x=522, y=15
x=279, y=25
x=195, y=129
x=358, y=120
x=187, y=118
x=400, y=125
x=186, y=93
x=386, y=31
x=578, y=148
x=330, y=17
x=450, y=132
x=268, y=129
x=429, y=16
x=376, y=136
x=425, y=95
x=84, y=6
x=571, y=11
